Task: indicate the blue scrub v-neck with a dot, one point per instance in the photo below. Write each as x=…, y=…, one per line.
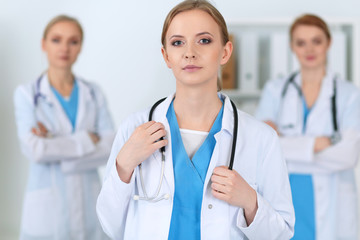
x=70, y=105
x=189, y=176
x=302, y=190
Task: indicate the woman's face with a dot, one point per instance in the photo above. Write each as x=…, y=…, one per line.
x=62, y=44
x=310, y=45
x=194, y=49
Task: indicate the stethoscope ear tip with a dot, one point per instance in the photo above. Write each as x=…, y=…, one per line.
x=136, y=197
x=166, y=196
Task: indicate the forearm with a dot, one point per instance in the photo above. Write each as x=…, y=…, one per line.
x=44, y=150
x=298, y=149
x=90, y=161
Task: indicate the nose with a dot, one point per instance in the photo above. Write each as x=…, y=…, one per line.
x=189, y=56
x=190, y=52
x=309, y=47
x=65, y=47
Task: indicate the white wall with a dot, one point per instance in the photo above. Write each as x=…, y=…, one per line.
x=121, y=53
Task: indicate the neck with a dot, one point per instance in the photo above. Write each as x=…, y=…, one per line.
x=60, y=78
x=196, y=108
x=313, y=76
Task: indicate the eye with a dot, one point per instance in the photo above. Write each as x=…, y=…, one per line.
x=74, y=42
x=55, y=40
x=300, y=43
x=317, y=41
x=205, y=41
x=176, y=43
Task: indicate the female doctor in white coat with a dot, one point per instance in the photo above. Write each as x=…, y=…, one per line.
x=317, y=116
x=199, y=197
x=65, y=130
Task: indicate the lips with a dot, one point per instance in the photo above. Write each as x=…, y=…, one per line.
x=64, y=58
x=191, y=68
x=310, y=58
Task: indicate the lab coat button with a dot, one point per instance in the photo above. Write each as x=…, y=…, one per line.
x=210, y=206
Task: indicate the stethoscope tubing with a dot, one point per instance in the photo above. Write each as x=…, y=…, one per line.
x=162, y=150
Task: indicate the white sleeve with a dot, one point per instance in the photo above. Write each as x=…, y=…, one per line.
x=105, y=129
x=45, y=149
x=345, y=154
x=275, y=217
x=298, y=148
x=341, y=156
x=113, y=201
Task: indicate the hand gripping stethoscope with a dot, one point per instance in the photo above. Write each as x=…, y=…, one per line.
x=166, y=196
x=336, y=137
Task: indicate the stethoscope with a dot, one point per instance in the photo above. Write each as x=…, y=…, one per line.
x=38, y=93
x=336, y=135
x=166, y=196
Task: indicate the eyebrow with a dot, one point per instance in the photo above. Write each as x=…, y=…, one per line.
x=198, y=34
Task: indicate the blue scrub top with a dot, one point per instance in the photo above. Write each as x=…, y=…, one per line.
x=189, y=178
x=69, y=105
x=302, y=191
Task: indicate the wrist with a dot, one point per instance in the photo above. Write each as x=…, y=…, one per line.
x=124, y=170
x=251, y=208
x=251, y=204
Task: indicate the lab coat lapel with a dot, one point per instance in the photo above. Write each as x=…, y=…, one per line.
x=159, y=115
x=321, y=110
x=62, y=123
x=222, y=149
x=291, y=112
x=84, y=99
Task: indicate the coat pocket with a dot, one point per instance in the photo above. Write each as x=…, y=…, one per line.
x=39, y=213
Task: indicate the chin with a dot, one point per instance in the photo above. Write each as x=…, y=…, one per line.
x=313, y=65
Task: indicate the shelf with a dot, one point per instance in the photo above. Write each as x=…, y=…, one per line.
x=242, y=94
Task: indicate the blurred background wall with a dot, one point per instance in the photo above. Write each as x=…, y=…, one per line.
x=121, y=52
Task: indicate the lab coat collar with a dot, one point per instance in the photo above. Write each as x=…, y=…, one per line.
x=228, y=115
x=327, y=84
x=85, y=95
x=160, y=115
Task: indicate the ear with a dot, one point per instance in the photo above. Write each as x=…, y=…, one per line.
x=43, y=45
x=329, y=44
x=227, y=51
x=165, y=56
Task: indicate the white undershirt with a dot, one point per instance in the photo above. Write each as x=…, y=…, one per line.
x=192, y=140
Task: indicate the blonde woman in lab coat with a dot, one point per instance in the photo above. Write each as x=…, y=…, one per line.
x=65, y=130
x=199, y=197
x=317, y=115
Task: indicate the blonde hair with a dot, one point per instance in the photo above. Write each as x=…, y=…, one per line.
x=202, y=5
x=310, y=20
x=63, y=18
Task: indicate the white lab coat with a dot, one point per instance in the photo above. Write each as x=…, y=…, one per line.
x=333, y=168
x=63, y=180
x=258, y=160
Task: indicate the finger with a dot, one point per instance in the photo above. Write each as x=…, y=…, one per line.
x=159, y=134
x=221, y=171
x=154, y=128
x=160, y=144
x=34, y=131
x=219, y=187
x=219, y=195
x=147, y=125
x=42, y=128
x=219, y=179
